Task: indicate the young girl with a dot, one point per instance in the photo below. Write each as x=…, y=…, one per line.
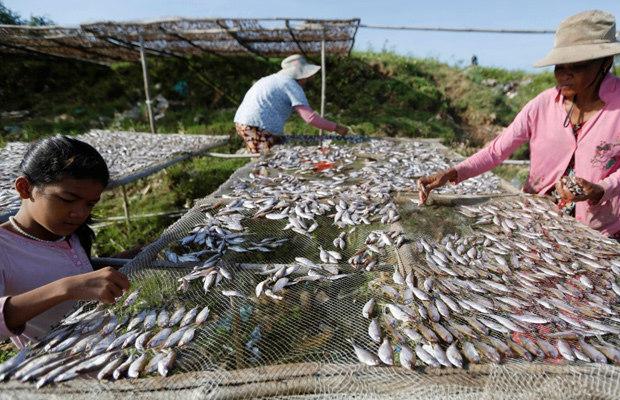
x=44, y=249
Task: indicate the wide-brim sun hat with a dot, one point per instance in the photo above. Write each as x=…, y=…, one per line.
x=297, y=68
x=585, y=36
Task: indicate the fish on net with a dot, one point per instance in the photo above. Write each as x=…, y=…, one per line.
x=367, y=302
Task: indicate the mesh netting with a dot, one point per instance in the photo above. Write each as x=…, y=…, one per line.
x=477, y=298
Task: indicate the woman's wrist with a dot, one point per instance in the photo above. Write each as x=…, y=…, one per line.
x=597, y=196
x=452, y=174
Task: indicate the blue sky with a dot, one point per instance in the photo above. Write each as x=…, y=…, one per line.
x=510, y=51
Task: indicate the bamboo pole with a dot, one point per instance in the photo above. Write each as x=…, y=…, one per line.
x=322, y=84
x=145, y=72
x=125, y=204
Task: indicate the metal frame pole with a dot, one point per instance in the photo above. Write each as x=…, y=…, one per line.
x=145, y=72
x=125, y=204
x=322, y=84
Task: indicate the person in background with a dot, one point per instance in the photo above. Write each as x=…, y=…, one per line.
x=270, y=102
x=573, y=128
x=45, y=248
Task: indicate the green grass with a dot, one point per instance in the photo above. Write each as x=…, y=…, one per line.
x=172, y=189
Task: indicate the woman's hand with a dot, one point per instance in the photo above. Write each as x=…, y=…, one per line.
x=428, y=183
x=341, y=130
x=594, y=192
x=103, y=285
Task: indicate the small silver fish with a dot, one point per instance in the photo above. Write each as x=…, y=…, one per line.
x=163, y=319
x=519, y=350
x=279, y=284
x=413, y=335
x=187, y=319
x=470, y=353
x=365, y=356
x=592, y=352
x=426, y=357
x=165, y=364
x=489, y=352
x=149, y=320
x=130, y=339
x=110, y=325
x=110, y=367
x=187, y=336
x=547, y=347
x=176, y=316
x=386, y=353
x=136, y=367
x=565, y=350
x=50, y=376
x=137, y=320
x=454, y=356
x=102, y=345
x=123, y=367
x=440, y=355
x=173, y=338
x=374, y=331
x=65, y=343
x=234, y=293
x=159, y=338
x=141, y=341
x=131, y=298
x=202, y=316
x=531, y=347
x=152, y=365
x=12, y=363
x=406, y=357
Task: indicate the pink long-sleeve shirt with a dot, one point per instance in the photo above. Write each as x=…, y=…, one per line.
x=596, y=150
x=311, y=117
x=27, y=264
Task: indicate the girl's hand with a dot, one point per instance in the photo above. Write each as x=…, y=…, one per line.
x=103, y=285
x=427, y=183
x=594, y=192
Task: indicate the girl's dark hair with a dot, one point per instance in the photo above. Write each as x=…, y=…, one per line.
x=54, y=158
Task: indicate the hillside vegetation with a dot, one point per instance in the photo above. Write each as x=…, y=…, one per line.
x=375, y=93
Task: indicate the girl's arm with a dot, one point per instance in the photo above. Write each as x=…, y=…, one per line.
x=103, y=285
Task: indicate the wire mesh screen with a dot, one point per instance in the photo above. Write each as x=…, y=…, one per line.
x=303, y=277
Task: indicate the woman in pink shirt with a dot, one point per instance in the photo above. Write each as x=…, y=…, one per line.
x=44, y=249
x=573, y=128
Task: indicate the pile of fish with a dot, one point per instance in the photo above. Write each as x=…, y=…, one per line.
x=530, y=283
x=129, y=152
x=124, y=152
x=382, y=166
x=95, y=340
x=326, y=139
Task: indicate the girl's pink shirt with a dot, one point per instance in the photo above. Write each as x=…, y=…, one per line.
x=597, y=151
x=27, y=264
